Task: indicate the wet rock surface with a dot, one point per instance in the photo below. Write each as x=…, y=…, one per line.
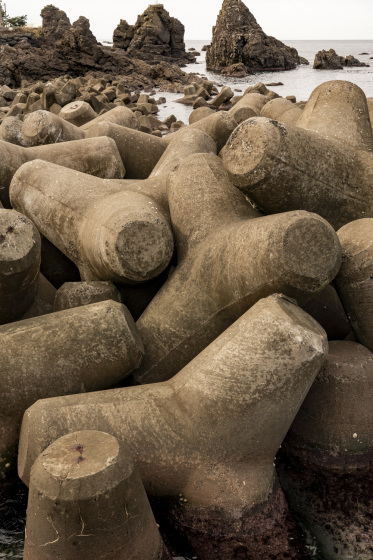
x=238, y=38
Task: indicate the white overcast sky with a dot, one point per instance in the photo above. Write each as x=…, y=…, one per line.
x=284, y=19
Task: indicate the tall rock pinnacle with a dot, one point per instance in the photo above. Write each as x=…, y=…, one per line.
x=238, y=38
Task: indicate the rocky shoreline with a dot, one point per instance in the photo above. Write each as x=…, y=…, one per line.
x=60, y=48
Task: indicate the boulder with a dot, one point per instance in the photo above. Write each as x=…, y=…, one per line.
x=238, y=38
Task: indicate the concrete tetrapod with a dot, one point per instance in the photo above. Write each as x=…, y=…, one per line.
x=119, y=115
x=200, y=113
x=96, y=156
x=283, y=110
x=78, y=113
x=354, y=281
x=86, y=498
x=186, y=142
x=82, y=349
x=210, y=433
x=11, y=131
x=19, y=264
x=285, y=168
x=219, y=126
x=75, y=294
x=327, y=474
x=44, y=127
x=339, y=110
x=140, y=152
x=108, y=232
x=227, y=261
x=249, y=106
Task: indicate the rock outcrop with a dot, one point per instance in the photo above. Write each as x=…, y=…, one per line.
x=238, y=38
x=327, y=60
x=73, y=50
x=330, y=60
x=352, y=61
x=123, y=35
x=154, y=36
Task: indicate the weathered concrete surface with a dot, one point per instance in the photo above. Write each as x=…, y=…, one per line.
x=354, y=281
x=80, y=116
x=336, y=416
x=78, y=113
x=284, y=168
x=86, y=498
x=186, y=142
x=119, y=115
x=249, y=106
x=19, y=264
x=282, y=110
x=82, y=349
x=75, y=294
x=338, y=109
x=227, y=260
x=211, y=432
x=44, y=127
x=329, y=449
x=108, y=232
x=140, y=152
x=200, y=113
x=96, y=156
x=11, y=131
x=218, y=126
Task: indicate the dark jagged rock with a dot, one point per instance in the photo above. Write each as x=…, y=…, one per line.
x=73, y=50
x=238, y=38
x=327, y=60
x=55, y=24
x=155, y=36
x=123, y=35
x=330, y=60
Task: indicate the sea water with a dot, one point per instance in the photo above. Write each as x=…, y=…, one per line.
x=299, y=82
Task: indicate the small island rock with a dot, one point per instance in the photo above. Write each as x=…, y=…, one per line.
x=330, y=60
